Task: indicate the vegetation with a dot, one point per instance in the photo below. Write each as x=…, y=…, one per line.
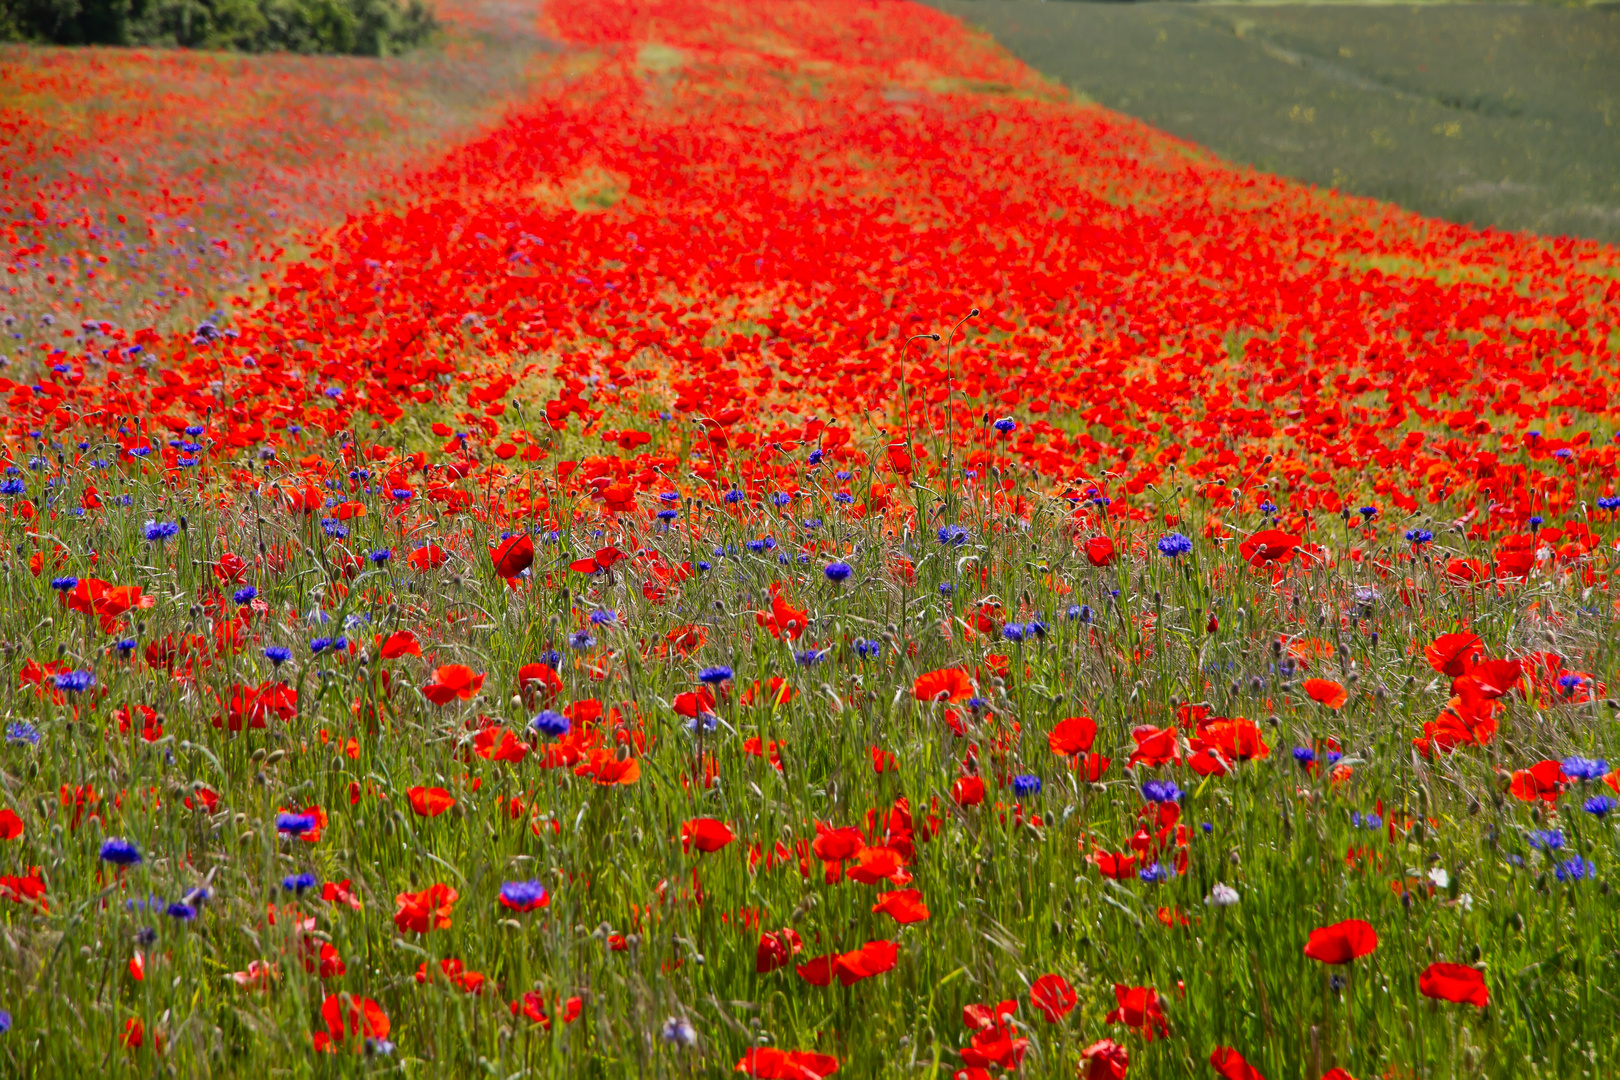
x=791, y=550
x=356, y=27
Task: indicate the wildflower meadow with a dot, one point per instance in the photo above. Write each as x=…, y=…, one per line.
x=777, y=541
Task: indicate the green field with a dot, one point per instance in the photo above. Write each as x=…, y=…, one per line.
x=1494, y=114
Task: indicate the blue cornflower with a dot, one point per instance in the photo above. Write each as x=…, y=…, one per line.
x=117, y=850
x=551, y=658
x=579, y=639
x=669, y=496
x=1304, y=755
x=1013, y=632
x=295, y=824
x=808, y=657
x=1546, y=839
x=381, y=555
x=317, y=644
x=667, y=515
x=1580, y=768
x=524, y=895
x=20, y=731
x=1153, y=873
x=64, y=584
x=838, y=572
x=1027, y=785
x=277, y=654
x=604, y=617
x=1368, y=512
x=180, y=911
x=1598, y=806
x=160, y=530
x=12, y=487
x=864, y=648
x=400, y=494
x=245, y=595
x=843, y=498
x=954, y=535
x=781, y=498
x=735, y=496
x=5, y=1021
x=553, y=725
x=75, y=682
x=1419, y=537
x=1573, y=869
x=708, y=720
x=297, y=883
x=1006, y=425
x=1608, y=502
x=1035, y=628
x=714, y=675
x=335, y=529
x=1161, y=791
x=1172, y=545
x=814, y=458
x=947, y=588
x=1536, y=521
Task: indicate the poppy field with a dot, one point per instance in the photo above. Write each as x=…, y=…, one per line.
x=791, y=547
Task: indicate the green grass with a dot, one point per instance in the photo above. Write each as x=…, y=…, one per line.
x=1491, y=114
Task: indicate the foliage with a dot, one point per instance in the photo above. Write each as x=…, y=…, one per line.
x=358, y=27
x=566, y=619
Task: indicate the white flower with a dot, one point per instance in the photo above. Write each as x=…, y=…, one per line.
x=1222, y=895
x=1440, y=878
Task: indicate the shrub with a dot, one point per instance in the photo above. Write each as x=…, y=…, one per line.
x=357, y=27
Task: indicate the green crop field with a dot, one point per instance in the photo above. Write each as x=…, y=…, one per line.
x=1494, y=114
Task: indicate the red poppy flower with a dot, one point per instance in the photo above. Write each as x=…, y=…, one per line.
x=873, y=958
x=425, y=910
x=1052, y=997
x=1099, y=551
x=512, y=556
x=1114, y=865
x=361, y=1019
x=1342, y=942
x=1454, y=982
x=1230, y=1064
x=452, y=681
x=769, y=1062
x=498, y=744
x=1138, y=1007
x=875, y=864
x=775, y=950
x=398, y=644
x=1154, y=746
x=339, y=892
x=428, y=557
x=11, y=826
x=1545, y=780
x=605, y=767
x=1104, y=1059
x=967, y=791
x=836, y=845
x=429, y=802
x=1325, y=692
x=705, y=834
x=904, y=906
x=946, y=684
x=784, y=620
x=1454, y=654
x=1072, y=736
x=1269, y=546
